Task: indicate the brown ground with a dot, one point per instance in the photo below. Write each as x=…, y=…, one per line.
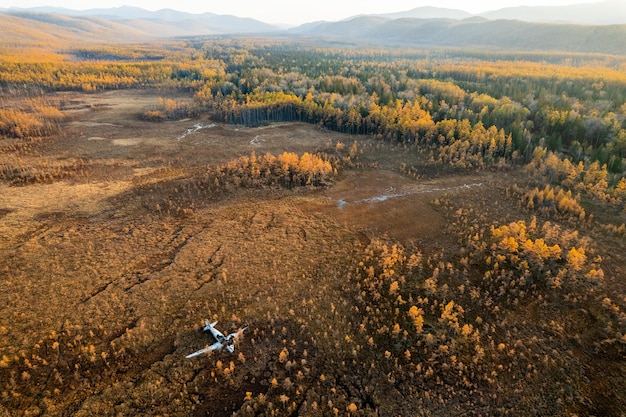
x=102, y=299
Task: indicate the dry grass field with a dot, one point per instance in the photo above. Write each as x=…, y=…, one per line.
x=104, y=287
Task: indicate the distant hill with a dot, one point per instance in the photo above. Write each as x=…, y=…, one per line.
x=478, y=33
x=428, y=12
x=121, y=24
x=352, y=28
x=45, y=29
x=123, y=12
x=607, y=12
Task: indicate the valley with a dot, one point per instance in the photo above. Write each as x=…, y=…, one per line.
x=404, y=232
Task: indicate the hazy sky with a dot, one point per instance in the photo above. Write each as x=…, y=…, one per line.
x=291, y=11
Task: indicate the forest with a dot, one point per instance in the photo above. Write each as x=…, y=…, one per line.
x=405, y=231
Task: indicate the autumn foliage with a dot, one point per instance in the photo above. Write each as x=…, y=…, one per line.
x=477, y=271
x=287, y=169
x=35, y=118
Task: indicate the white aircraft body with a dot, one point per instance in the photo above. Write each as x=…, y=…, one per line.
x=221, y=341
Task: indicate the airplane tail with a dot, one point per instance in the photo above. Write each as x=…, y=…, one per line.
x=208, y=325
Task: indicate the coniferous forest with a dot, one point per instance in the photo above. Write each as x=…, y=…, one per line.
x=404, y=231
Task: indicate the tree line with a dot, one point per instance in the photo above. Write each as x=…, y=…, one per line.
x=459, y=107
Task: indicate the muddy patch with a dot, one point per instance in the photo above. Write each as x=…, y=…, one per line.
x=195, y=128
x=94, y=124
x=383, y=202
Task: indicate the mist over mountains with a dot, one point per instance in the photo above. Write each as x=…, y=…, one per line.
x=594, y=27
x=608, y=12
x=136, y=23
x=477, y=33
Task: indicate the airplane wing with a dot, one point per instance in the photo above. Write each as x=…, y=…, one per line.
x=198, y=353
x=209, y=327
x=214, y=346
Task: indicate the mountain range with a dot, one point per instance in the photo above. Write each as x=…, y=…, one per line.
x=133, y=23
x=594, y=27
x=607, y=12
x=474, y=32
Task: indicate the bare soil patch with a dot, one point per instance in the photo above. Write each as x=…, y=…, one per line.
x=382, y=202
